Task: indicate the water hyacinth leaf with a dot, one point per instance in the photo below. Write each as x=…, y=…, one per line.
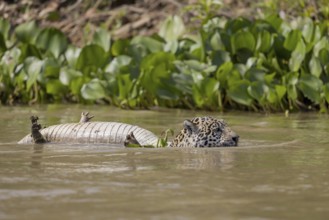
x=216, y=42
x=72, y=54
x=27, y=32
x=151, y=44
x=67, y=74
x=324, y=56
x=308, y=30
x=102, y=38
x=55, y=87
x=125, y=86
x=292, y=92
x=91, y=56
x=220, y=57
x=117, y=63
x=243, y=40
x=235, y=25
x=53, y=40
x=29, y=50
x=326, y=92
x=280, y=91
x=205, y=92
x=297, y=56
x=4, y=28
x=315, y=66
x=322, y=44
x=238, y=92
x=292, y=40
x=120, y=47
x=51, y=68
x=310, y=87
x=172, y=28
x=258, y=90
x=32, y=67
x=93, y=90
x=264, y=41
x=275, y=21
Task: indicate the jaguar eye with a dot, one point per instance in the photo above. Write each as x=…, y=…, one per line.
x=218, y=129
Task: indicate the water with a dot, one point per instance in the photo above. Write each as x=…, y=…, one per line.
x=280, y=170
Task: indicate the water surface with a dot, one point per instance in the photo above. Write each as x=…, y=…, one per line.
x=279, y=171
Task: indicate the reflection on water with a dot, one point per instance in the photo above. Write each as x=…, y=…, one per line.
x=278, y=172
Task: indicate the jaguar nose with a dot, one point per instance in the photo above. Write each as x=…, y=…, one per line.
x=235, y=138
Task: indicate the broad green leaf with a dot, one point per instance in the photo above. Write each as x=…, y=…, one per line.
x=55, y=87
x=51, y=68
x=310, y=87
x=243, y=40
x=29, y=50
x=72, y=54
x=117, y=63
x=292, y=92
x=308, y=29
x=33, y=68
x=324, y=56
x=151, y=44
x=297, y=56
x=235, y=25
x=323, y=43
x=315, y=66
x=264, y=41
x=27, y=32
x=216, y=42
x=292, y=40
x=91, y=56
x=238, y=92
x=280, y=91
x=258, y=90
x=93, y=90
x=53, y=40
x=274, y=20
x=67, y=74
x=120, y=47
x=172, y=28
x=4, y=28
x=102, y=38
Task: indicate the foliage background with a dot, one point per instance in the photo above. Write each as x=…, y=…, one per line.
x=262, y=55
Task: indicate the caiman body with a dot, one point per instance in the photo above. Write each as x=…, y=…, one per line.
x=198, y=132
x=94, y=132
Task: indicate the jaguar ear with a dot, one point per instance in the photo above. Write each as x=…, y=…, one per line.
x=190, y=126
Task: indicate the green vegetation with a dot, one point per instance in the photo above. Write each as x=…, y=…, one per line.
x=265, y=64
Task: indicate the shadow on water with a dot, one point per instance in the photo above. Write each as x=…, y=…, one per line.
x=277, y=172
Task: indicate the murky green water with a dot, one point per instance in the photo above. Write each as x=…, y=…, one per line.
x=280, y=170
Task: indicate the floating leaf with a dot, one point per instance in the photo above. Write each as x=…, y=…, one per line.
x=120, y=47
x=53, y=40
x=172, y=28
x=72, y=54
x=55, y=87
x=67, y=74
x=292, y=40
x=151, y=44
x=27, y=32
x=91, y=56
x=243, y=40
x=93, y=90
x=310, y=87
x=315, y=66
x=102, y=38
x=33, y=68
x=239, y=92
x=297, y=56
x=257, y=90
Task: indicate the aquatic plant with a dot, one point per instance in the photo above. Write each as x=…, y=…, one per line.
x=265, y=64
